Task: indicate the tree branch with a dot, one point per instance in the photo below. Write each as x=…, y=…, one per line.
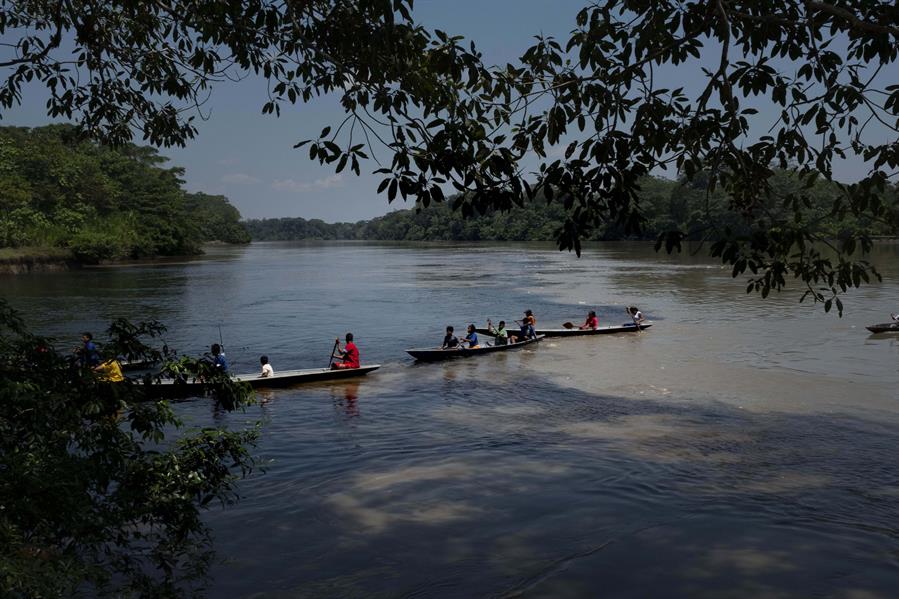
x=856, y=22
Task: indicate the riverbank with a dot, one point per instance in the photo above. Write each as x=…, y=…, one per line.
x=24, y=260
x=28, y=260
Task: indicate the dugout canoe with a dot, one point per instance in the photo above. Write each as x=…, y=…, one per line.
x=576, y=332
x=281, y=379
x=886, y=327
x=428, y=354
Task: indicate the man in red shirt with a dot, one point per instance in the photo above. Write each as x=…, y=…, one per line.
x=349, y=355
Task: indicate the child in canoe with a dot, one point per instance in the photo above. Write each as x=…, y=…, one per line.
x=592, y=322
x=267, y=369
x=500, y=332
x=450, y=341
x=471, y=338
x=636, y=315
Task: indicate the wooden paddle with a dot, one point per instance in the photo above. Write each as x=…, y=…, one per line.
x=568, y=325
x=333, y=349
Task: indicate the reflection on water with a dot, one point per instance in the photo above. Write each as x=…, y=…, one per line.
x=740, y=448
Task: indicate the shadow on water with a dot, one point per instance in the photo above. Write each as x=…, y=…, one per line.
x=538, y=490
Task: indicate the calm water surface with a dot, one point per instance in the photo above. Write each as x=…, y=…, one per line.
x=739, y=448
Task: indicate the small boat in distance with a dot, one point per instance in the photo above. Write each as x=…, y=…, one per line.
x=886, y=327
x=281, y=379
x=576, y=332
x=436, y=354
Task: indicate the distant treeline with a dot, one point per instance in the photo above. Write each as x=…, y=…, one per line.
x=668, y=205
x=59, y=191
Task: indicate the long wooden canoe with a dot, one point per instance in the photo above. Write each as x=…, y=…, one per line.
x=283, y=378
x=429, y=354
x=576, y=332
x=886, y=327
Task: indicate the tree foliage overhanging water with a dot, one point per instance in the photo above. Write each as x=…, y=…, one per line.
x=589, y=107
x=60, y=191
x=102, y=485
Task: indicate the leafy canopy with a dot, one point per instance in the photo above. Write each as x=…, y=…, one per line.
x=441, y=118
x=103, y=487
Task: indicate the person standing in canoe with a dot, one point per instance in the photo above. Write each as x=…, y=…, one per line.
x=218, y=358
x=500, y=333
x=88, y=354
x=471, y=338
x=592, y=322
x=349, y=355
x=450, y=341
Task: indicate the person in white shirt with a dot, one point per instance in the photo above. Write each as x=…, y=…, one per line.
x=636, y=315
x=266, y=367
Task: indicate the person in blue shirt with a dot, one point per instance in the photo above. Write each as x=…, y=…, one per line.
x=218, y=357
x=471, y=338
x=88, y=354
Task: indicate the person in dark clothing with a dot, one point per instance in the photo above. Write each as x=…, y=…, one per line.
x=450, y=341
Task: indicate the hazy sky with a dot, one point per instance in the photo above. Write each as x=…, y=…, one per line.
x=250, y=157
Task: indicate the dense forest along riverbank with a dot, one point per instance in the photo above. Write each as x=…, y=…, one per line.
x=740, y=447
x=67, y=202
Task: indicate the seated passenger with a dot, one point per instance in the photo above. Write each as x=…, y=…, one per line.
x=591, y=323
x=110, y=371
x=528, y=326
x=450, y=341
x=267, y=369
x=471, y=338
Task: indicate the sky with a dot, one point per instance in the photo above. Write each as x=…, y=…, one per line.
x=249, y=157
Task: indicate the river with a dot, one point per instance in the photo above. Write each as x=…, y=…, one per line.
x=740, y=448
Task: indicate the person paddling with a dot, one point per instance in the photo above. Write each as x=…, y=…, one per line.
x=349, y=355
x=636, y=315
x=528, y=326
x=591, y=323
x=500, y=333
